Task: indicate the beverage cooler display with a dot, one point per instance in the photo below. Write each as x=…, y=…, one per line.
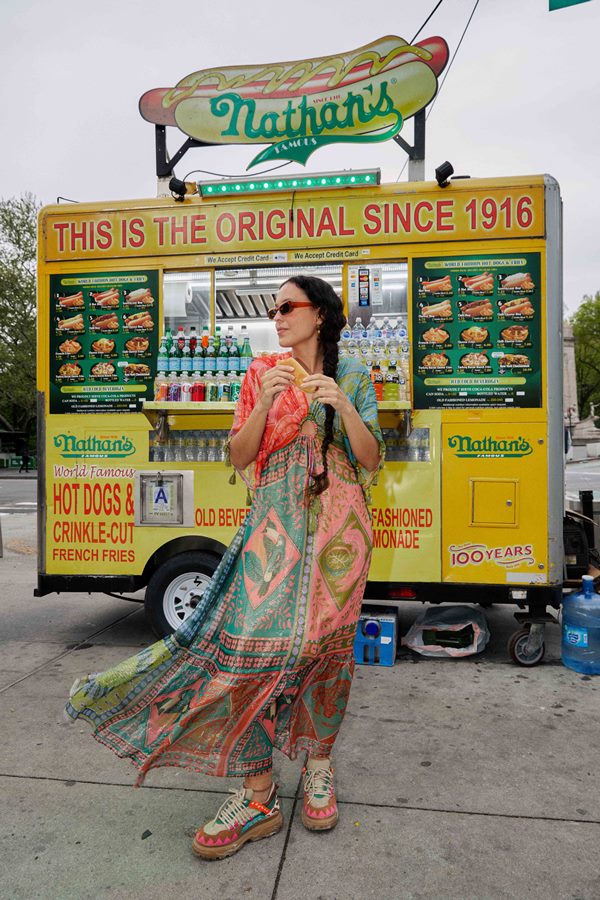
x=203, y=358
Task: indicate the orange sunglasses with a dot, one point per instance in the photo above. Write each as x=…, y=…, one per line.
x=286, y=307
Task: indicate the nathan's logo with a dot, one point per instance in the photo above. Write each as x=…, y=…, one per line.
x=297, y=107
x=72, y=447
x=466, y=446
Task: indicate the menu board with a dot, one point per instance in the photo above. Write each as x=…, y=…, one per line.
x=103, y=341
x=477, y=332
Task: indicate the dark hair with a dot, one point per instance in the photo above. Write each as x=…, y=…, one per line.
x=324, y=298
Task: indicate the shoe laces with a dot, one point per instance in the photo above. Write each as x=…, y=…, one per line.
x=318, y=782
x=235, y=810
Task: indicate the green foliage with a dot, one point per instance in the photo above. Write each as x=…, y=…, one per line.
x=586, y=330
x=18, y=228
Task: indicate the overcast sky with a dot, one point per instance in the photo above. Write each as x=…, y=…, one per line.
x=522, y=97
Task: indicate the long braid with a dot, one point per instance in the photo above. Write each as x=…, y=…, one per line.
x=324, y=298
x=330, y=361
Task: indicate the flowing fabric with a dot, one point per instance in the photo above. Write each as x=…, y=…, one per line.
x=266, y=658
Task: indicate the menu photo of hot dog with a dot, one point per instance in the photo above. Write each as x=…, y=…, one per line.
x=70, y=301
x=442, y=310
x=139, y=297
x=107, y=322
x=138, y=321
x=436, y=286
x=106, y=299
x=476, y=310
x=517, y=283
x=517, y=308
x=476, y=284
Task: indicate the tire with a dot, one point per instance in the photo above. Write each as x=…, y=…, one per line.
x=516, y=649
x=175, y=588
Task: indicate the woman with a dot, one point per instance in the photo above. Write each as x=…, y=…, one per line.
x=266, y=659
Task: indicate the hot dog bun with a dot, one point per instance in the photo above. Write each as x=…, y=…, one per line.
x=300, y=372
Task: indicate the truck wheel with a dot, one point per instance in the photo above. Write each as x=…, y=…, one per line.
x=517, y=649
x=175, y=588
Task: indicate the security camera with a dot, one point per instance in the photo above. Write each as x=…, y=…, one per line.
x=443, y=173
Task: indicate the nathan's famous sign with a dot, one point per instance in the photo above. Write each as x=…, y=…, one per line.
x=297, y=107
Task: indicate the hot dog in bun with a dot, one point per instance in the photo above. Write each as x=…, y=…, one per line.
x=300, y=372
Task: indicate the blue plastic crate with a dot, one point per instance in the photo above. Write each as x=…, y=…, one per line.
x=376, y=639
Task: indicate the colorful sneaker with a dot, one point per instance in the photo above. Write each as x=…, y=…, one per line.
x=319, y=811
x=238, y=820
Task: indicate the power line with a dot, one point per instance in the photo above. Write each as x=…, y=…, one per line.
x=446, y=73
x=435, y=9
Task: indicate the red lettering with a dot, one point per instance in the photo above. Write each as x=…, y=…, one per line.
x=276, y=231
x=444, y=210
x=342, y=228
x=304, y=224
x=222, y=233
x=196, y=227
x=247, y=222
x=161, y=221
x=373, y=220
x=177, y=230
x=420, y=225
x=61, y=227
x=137, y=236
x=326, y=223
x=401, y=218
x=104, y=235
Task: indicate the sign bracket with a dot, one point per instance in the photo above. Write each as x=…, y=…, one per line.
x=416, y=153
x=164, y=165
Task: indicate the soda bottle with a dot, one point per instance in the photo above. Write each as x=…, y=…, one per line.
x=224, y=388
x=185, y=363
x=211, y=390
x=180, y=337
x=198, y=389
x=223, y=357
x=185, y=386
x=210, y=357
x=198, y=360
x=162, y=361
x=217, y=338
x=174, y=388
x=168, y=338
x=390, y=387
x=233, y=361
x=236, y=386
x=161, y=387
x=581, y=629
x=175, y=355
x=245, y=353
x=357, y=329
x=205, y=336
x=377, y=379
x=193, y=339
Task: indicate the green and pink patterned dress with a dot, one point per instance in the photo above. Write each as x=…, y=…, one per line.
x=266, y=658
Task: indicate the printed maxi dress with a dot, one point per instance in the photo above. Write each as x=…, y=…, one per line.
x=266, y=658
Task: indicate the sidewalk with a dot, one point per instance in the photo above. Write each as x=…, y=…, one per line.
x=14, y=473
x=456, y=778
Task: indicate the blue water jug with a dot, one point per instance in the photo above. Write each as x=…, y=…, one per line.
x=581, y=629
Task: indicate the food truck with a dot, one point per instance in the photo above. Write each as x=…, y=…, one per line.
x=453, y=298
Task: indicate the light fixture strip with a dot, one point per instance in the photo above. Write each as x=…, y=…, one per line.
x=316, y=181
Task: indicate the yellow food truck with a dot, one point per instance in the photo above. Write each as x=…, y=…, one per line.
x=453, y=298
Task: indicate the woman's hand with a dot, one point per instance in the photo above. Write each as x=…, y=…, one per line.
x=275, y=380
x=327, y=390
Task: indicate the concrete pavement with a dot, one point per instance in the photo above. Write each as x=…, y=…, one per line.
x=456, y=778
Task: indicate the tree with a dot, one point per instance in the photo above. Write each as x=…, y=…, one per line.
x=18, y=228
x=586, y=331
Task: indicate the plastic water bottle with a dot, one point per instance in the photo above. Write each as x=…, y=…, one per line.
x=581, y=629
x=357, y=329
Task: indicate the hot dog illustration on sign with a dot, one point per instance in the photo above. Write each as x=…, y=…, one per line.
x=296, y=107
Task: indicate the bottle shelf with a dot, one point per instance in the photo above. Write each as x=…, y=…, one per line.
x=206, y=408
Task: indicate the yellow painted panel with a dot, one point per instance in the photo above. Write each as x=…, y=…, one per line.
x=494, y=503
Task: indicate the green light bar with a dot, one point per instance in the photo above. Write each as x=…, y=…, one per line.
x=315, y=181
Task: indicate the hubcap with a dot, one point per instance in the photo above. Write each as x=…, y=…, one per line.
x=183, y=595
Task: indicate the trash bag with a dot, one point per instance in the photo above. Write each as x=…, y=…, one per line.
x=448, y=631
